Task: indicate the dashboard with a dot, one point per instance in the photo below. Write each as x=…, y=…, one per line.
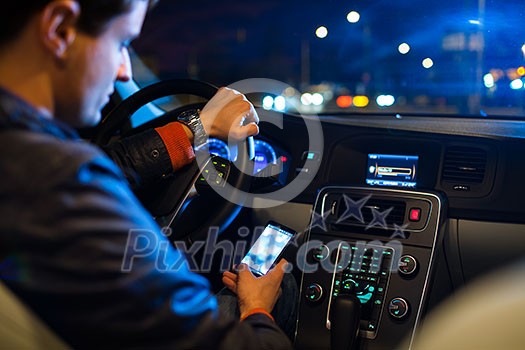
x=453, y=185
x=475, y=163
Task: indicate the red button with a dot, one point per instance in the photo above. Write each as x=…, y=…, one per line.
x=415, y=214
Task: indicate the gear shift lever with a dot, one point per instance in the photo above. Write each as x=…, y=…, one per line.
x=344, y=322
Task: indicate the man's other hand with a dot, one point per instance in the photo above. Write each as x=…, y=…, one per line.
x=257, y=292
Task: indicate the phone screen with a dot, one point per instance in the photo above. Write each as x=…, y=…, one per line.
x=267, y=248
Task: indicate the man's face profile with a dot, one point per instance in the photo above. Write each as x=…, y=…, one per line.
x=92, y=65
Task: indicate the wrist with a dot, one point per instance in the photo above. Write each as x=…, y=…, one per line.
x=192, y=121
x=187, y=131
x=254, y=311
x=206, y=122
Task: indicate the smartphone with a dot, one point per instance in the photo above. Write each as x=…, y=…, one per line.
x=268, y=248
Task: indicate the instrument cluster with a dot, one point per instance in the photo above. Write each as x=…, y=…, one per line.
x=265, y=153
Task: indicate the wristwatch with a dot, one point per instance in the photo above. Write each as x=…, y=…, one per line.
x=191, y=118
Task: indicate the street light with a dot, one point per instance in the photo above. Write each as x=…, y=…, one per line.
x=403, y=48
x=321, y=32
x=428, y=63
x=353, y=17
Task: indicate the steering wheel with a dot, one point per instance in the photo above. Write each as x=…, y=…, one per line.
x=168, y=200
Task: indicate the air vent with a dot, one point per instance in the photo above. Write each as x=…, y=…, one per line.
x=395, y=216
x=464, y=165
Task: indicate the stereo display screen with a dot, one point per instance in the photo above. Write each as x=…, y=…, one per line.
x=392, y=170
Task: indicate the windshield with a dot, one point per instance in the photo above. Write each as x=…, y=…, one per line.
x=455, y=57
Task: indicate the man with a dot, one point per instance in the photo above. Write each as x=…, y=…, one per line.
x=67, y=210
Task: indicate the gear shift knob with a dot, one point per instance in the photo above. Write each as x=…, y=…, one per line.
x=344, y=322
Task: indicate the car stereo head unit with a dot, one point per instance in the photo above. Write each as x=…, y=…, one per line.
x=391, y=170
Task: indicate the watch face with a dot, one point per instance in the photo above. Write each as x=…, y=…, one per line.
x=186, y=116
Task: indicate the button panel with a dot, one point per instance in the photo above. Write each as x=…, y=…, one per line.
x=407, y=265
x=398, y=308
x=414, y=214
x=314, y=292
x=215, y=173
x=366, y=275
x=320, y=253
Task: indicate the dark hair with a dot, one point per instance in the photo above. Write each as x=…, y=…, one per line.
x=94, y=15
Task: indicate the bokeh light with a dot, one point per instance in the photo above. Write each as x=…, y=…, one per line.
x=361, y=101
x=267, y=102
x=427, y=63
x=353, y=17
x=344, y=101
x=317, y=99
x=385, y=100
x=279, y=103
x=516, y=84
x=321, y=32
x=488, y=80
x=306, y=99
x=403, y=48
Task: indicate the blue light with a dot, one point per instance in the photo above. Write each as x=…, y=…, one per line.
x=364, y=298
x=267, y=102
x=516, y=84
x=279, y=103
x=488, y=80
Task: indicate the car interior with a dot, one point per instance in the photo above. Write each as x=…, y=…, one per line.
x=403, y=182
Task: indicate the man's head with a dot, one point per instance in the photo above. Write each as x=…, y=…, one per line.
x=79, y=49
x=93, y=18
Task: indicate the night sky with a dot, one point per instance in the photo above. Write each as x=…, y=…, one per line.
x=225, y=41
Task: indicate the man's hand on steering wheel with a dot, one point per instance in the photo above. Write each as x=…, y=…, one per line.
x=229, y=116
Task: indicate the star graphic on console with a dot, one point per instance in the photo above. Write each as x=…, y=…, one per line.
x=399, y=231
x=353, y=208
x=379, y=218
x=318, y=220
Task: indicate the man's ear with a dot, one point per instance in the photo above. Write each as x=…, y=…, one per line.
x=58, y=26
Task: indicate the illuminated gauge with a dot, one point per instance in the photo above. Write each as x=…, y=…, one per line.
x=264, y=155
x=218, y=148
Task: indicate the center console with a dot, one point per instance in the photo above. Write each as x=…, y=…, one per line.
x=375, y=248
